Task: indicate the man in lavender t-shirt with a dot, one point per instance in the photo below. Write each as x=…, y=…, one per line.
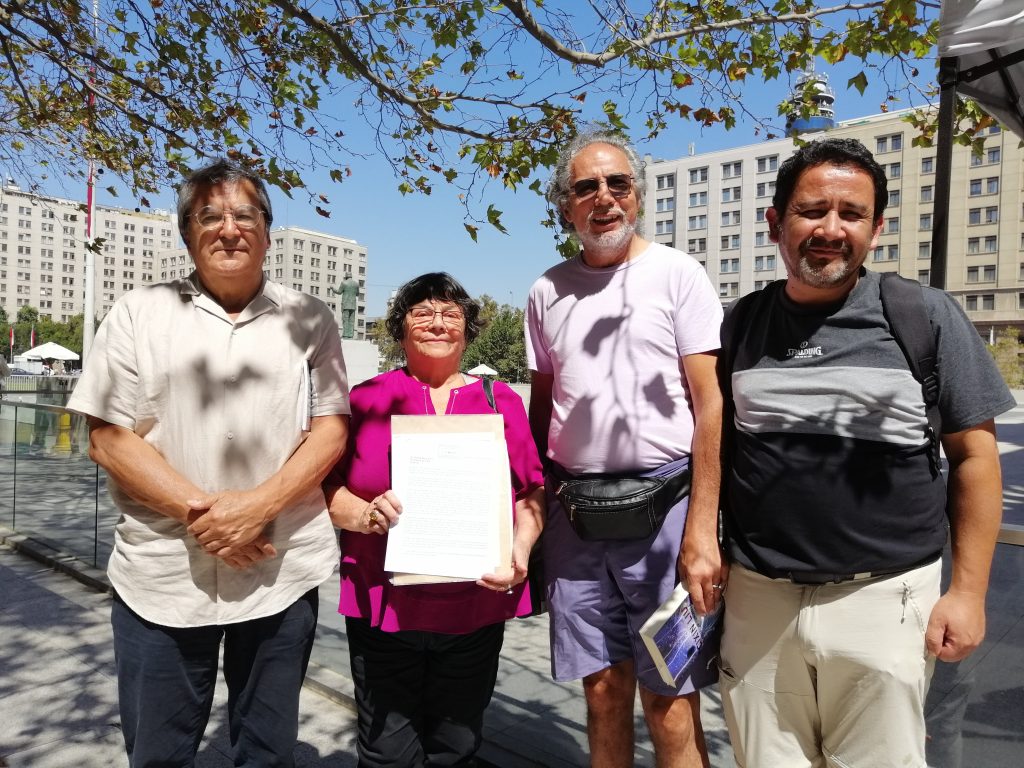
x=621, y=343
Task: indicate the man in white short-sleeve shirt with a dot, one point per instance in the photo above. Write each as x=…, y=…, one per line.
x=216, y=403
x=621, y=343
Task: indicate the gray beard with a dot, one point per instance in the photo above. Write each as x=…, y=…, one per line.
x=608, y=243
x=825, y=276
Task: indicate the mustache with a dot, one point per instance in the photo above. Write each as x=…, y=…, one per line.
x=820, y=242
x=616, y=211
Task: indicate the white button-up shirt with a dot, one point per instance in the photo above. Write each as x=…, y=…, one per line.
x=225, y=403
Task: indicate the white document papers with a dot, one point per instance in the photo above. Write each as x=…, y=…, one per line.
x=452, y=476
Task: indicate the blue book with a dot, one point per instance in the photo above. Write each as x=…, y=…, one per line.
x=675, y=632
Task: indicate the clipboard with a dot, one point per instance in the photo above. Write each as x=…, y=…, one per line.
x=452, y=475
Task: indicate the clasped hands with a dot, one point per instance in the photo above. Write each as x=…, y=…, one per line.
x=230, y=524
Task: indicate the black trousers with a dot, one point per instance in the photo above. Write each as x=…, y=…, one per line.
x=421, y=696
x=166, y=678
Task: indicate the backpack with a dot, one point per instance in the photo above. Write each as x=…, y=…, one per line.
x=904, y=309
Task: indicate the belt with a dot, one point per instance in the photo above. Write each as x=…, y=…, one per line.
x=818, y=579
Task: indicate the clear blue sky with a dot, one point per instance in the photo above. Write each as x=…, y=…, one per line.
x=408, y=235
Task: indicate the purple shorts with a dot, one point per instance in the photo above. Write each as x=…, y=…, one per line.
x=601, y=592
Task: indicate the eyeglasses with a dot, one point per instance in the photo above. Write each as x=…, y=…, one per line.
x=619, y=184
x=245, y=217
x=425, y=316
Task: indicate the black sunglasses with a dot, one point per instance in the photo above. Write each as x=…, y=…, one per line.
x=619, y=184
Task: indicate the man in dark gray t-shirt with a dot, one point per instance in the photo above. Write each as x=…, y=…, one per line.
x=836, y=511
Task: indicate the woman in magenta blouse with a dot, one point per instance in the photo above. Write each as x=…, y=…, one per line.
x=425, y=658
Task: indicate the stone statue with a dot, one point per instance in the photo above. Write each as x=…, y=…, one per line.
x=349, y=292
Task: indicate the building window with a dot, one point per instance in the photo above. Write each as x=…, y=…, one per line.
x=991, y=244
x=762, y=263
x=927, y=165
x=926, y=221
x=887, y=253
x=974, y=245
x=697, y=245
x=664, y=227
x=732, y=170
x=984, y=301
x=974, y=216
x=728, y=290
x=895, y=170
x=992, y=185
x=983, y=274
x=894, y=197
x=697, y=222
x=698, y=175
x=730, y=242
x=893, y=143
x=761, y=238
x=924, y=250
x=729, y=265
x=766, y=189
x=665, y=204
x=759, y=214
x=767, y=163
x=730, y=218
x=698, y=199
x=924, y=276
x=664, y=182
x=730, y=194
x=893, y=224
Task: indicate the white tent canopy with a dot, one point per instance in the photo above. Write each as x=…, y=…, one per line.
x=986, y=37
x=482, y=370
x=51, y=351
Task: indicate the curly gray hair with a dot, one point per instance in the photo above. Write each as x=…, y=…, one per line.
x=557, y=192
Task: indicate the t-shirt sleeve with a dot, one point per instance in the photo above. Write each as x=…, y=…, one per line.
x=524, y=462
x=698, y=317
x=108, y=388
x=537, y=357
x=971, y=389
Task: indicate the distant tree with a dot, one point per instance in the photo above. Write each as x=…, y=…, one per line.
x=453, y=92
x=391, y=353
x=1007, y=351
x=28, y=314
x=68, y=335
x=501, y=344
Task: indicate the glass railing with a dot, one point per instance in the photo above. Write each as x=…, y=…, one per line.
x=49, y=488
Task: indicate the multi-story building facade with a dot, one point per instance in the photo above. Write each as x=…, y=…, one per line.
x=712, y=205
x=43, y=250
x=312, y=262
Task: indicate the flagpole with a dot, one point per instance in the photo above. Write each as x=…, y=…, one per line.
x=89, y=306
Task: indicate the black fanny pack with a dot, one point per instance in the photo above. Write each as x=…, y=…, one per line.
x=618, y=507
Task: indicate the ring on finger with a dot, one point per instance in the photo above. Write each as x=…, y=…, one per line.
x=716, y=586
x=374, y=518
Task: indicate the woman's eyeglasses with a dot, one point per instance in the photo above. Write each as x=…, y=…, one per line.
x=245, y=217
x=425, y=316
x=619, y=184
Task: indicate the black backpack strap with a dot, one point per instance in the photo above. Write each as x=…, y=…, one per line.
x=905, y=311
x=488, y=386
